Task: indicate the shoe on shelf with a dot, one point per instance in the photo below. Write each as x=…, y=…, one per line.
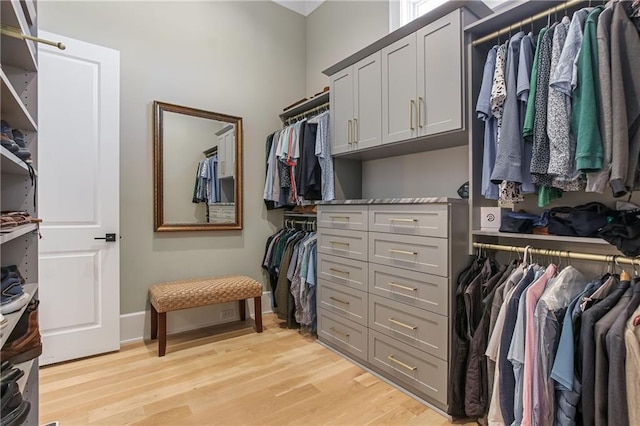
x=3, y=321
x=11, y=289
x=6, y=137
x=18, y=138
x=23, y=154
x=24, y=343
x=14, y=305
x=12, y=269
x=13, y=409
x=11, y=374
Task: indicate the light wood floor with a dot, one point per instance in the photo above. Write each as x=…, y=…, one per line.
x=226, y=375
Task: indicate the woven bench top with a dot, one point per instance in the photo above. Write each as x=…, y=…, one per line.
x=178, y=295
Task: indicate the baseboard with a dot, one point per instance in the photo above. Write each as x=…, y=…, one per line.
x=136, y=326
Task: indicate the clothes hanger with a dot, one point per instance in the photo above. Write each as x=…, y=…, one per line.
x=624, y=275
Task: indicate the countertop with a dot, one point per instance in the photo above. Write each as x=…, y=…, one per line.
x=426, y=200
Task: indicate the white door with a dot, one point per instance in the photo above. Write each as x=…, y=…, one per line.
x=78, y=115
x=399, y=108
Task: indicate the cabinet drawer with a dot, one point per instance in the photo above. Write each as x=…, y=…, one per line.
x=429, y=220
x=344, y=301
x=421, y=371
x=422, y=254
x=343, y=217
x=417, y=289
x=342, y=334
x=423, y=330
x=350, y=244
x=345, y=272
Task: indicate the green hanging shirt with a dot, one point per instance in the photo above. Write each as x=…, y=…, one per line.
x=527, y=130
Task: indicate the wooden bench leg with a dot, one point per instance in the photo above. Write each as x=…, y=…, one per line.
x=242, y=307
x=257, y=302
x=162, y=329
x=154, y=323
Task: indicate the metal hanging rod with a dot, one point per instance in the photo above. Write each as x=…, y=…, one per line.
x=17, y=33
x=562, y=6
x=306, y=113
x=609, y=258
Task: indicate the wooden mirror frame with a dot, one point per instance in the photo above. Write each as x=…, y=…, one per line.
x=158, y=187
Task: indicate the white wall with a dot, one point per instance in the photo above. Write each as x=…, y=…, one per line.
x=337, y=29
x=236, y=57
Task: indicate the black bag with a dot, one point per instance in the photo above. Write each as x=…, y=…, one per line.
x=624, y=233
x=516, y=225
x=581, y=221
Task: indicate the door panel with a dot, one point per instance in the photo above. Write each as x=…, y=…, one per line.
x=341, y=102
x=79, y=199
x=440, y=75
x=367, y=81
x=399, y=121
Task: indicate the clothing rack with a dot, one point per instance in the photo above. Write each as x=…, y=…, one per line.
x=17, y=33
x=211, y=151
x=610, y=258
x=311, y=112
x=506, y=30
x=307, y=224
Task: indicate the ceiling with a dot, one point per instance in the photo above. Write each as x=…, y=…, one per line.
x=303, y=7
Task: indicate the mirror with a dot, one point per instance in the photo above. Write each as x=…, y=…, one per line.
x=197, y=169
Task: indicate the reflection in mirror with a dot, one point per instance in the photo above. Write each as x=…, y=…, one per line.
x=198, y=179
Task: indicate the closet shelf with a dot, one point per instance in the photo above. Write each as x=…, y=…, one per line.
x=557, y=238
x=17, y=232
x=12, y=319
x=16, y=52
x=13, y=110
x=11, y=164
x=507, y=14
x=306, y=106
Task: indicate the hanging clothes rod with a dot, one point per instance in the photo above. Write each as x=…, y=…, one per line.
x=306, y=113
x=562, y=6
x=609, y=258
x=17, y=33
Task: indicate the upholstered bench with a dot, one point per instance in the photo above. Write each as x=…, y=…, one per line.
x=177, y=295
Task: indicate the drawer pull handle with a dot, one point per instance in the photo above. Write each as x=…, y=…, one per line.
x=407, y=366
x=401, y=324
x=341, y=217
x=344, y=302
x=335, y=330
x=338, y=243
x=412, y=253
x=404, y=287
x=339, y=271
x=397, y=219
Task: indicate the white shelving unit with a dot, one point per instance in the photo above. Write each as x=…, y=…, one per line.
x=19, y=107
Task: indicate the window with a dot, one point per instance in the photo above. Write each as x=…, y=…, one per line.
x=401, y=12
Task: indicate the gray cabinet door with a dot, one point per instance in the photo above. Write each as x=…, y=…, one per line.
x=399, y=120
x=440, y=75
x=341, y=104
x=367, y=93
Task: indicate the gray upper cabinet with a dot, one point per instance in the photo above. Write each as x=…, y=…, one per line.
x=355, y=104
x=367, y=84
x=341, y=104
x=439, y=102
x=399, y=109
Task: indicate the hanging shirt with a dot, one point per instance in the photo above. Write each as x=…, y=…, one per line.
x=548, y=317
x=586, y=103
x=323, y=152
x=499, y=88
x=597, y=181
x=483, y=108
x=527, y=128
x=632, y=343
x=214, y=194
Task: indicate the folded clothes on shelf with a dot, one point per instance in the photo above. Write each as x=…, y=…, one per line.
x=13, y=218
